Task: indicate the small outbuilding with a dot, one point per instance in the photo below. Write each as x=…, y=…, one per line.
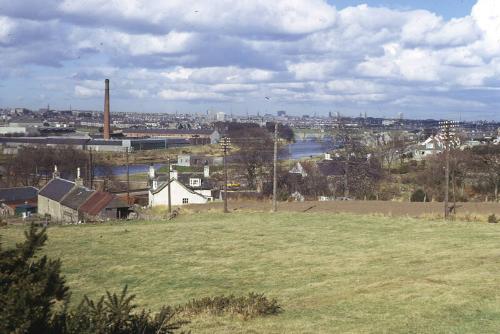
x=102, y=205
x=15, y=201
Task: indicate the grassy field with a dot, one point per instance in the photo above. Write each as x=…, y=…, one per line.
x=332, y=273
x=470, y=211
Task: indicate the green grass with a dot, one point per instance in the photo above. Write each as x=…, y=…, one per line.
x=331, y=273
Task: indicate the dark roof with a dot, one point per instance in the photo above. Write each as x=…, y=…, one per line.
x=96, y=203
x=56, y=189
x=102, y=142
x=116, y=203
x=163, y=181
x=77, y=197
x=205, y=183
x=171, y=131
x=18, y=194
x=183, y=180
x=331, y=168
x=26, y=120
x=45, y=140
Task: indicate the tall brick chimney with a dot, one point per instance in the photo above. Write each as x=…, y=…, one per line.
x=107, y=126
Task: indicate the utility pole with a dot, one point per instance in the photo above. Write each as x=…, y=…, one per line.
x=168, y=186
x=275, y=164
x=448, y=133
x=447, y=179
x=128, y=177
x=346, y=176
x=91, y=171
x=225, y=146
x=347, y=146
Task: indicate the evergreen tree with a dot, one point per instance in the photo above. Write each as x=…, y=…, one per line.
x=34, y=299
x=32, y=290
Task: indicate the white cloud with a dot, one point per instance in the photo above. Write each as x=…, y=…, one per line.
x=190, y=95
x=86, y=92
x=6, y=29
x=258, y=16
x=228, y=74
x=226, y=51
x=138, y=93
x=226, y=88
x=486, y=14
x=313, y=70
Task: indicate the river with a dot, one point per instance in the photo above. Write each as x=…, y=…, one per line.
x=295, y=151
x=305, y=149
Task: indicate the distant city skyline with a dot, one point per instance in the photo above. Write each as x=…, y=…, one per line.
x=426, y=59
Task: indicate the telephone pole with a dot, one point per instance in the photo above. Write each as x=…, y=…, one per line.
x=275, y=164
x=91, y=169
x=128, y=178
x=169, y=167
x=346, y=176
x=225, y=144
x=447, y=127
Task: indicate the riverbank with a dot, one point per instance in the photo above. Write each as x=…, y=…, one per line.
x=154, y=156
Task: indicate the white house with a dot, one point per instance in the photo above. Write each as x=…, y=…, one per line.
x=298, y=169
x=184, y=189
x=431, y=146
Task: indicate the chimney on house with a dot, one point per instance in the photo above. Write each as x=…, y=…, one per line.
x=55, y=173
x=173, y=174
x=107, y=126
x=152, y=173
x=78, y=180
x=206, y=171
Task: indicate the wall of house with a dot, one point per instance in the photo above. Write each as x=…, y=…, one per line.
x=50, y=207
x=178, y=194
x=206, y=193
x=184, y=160
x=69, y=215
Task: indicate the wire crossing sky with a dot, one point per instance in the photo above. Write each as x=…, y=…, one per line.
x=427, y=59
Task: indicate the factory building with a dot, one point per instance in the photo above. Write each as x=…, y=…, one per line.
x=10, y=145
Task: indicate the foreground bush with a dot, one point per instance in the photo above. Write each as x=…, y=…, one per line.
x=419, y=196
x=116, y=314
x=251, y=306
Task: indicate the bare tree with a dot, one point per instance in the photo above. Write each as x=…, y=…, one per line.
x=34, y=166
x=255, y=155
x=392, y=149
x=487, y=166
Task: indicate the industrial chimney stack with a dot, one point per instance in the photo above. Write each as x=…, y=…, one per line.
x=107, y=127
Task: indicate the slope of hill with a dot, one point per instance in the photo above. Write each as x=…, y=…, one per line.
x=332, y=273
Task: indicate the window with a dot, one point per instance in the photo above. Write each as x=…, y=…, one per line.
x=194, y=182
x=185, y=200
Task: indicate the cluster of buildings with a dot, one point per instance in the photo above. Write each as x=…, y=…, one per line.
x=63, y=201
x=25, y=128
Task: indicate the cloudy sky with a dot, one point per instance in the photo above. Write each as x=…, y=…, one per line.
x=427, y=59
